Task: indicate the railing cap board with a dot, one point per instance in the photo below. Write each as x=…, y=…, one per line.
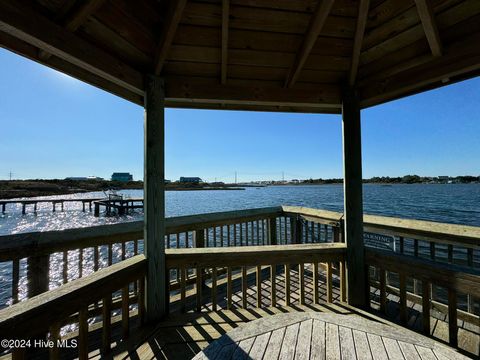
x=330, y=216
x=202, y=221
x=47, y=242
x=254, y=255
x=468, y=236
x=460, y=278
x=34, y=315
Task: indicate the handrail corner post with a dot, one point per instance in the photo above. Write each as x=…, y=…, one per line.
x=353, y=203
x=156, y=297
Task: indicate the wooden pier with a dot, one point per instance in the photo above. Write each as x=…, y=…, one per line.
x=121, y=206
x=54, y=203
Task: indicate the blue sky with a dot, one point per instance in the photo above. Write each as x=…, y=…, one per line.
x=53, y=126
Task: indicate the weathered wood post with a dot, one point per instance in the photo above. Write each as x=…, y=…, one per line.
x=353, y=204
x=38, y=267
x=298, y=230
x=156, y=301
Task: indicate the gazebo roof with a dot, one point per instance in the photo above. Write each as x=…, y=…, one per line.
x=268, y=55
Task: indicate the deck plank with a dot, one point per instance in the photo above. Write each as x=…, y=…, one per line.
x=362, y=348
x=302, y=351
x=393, y=349
x=259, y=346
x=274, y=344
x=377, y=347
x=318, y=340
x=332, y=345
x=289, y=342
x=347, y=345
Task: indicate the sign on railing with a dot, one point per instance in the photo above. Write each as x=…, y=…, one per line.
x=378, y=241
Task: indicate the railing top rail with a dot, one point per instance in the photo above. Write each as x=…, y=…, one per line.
x=468, y=236
x=330, y=216
x=32, y=315
x=254, y=255
x=456, y=277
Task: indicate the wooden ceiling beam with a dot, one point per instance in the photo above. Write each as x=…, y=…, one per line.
x=357, y=44
x=76, y=19
x=427, y=16
x=23, y=23
x=190, y=90
x=174, y=15
x=459, y=59
x=314, y=29
x=225, y=18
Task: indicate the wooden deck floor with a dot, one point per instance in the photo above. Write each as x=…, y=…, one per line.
x=181, y=336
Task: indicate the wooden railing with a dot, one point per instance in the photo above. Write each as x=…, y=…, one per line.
x=78, y=302
x=228, y=265
x=433, y=264
x=79, y=252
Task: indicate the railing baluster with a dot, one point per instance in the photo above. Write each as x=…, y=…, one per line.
x=110, y=254
x=214, y=236
x=199, y=289
x=54, y=337
x=221, y=236
x=141, y=300
x=287, y=284
x=450, y=253
x=301, y=275
x=83, y=333
x=402, y=244
x=325, y=227
x=343, y=283
x=426, y=307
x=432, y=250
x=452, y=318
x=244, y=287
x=125, y=312
x=15, y=279
x=258, y=232
x=95, y=258
x=214, y=289
x=383, y=290
x=241, y=234
x=228, y=236
x=234, y=234
x=403, y=298
x=252, y=233
x=80, y=262
x=106, y=324
x=259, y=286
x=183, y=288
x=415, y=247
x=229, y=288
x=65, y=267
x=273, y=275
x=315, y=283
x=124, y=250
x=329, y=282
x=272, y=231
x=470, y=257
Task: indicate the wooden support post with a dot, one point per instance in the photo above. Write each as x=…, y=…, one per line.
x=272, y=231
x=353, y=218
x=3, y=208
x=154, y=199
x=38, y=274
x=23, y=208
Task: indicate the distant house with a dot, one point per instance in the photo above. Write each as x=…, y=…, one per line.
x=122, y=177
x=96, y=178
x=195, y=180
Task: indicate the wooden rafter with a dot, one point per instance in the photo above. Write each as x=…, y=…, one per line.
x=314, y=30
x=225, y=16
x=172, y=20
x=16, y=20
x=359, y=33
x=427, y=16
x=76, y=19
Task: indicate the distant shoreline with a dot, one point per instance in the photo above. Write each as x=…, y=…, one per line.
x=35, y=188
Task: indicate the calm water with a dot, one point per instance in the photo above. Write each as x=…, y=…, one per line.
x=446, y=203
x=451, y=203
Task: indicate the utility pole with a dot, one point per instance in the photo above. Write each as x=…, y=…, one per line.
x=10, y=174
